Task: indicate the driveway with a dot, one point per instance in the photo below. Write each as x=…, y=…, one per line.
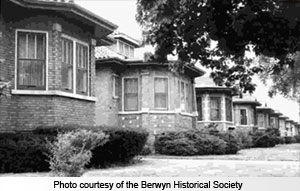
x=282, y=160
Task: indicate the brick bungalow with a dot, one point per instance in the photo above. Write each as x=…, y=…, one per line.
x=263, y=117
x=137, y=93
x=47, y=55
x=245, y=114
x=214, y=104
x=274, y=119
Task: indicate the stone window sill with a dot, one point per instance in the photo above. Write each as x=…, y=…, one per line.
x=54, y=92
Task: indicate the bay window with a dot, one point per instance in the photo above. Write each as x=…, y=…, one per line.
x=161, y=93
x=31, y=60
x=81, y=68
x=67, y=64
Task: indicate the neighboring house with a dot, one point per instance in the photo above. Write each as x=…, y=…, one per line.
x=282, y=125
x=245, y=114
x=214, y=104
x=293, y=128
x=47, y=55
x=274, y=119
x=136, y=93
x=263, y=117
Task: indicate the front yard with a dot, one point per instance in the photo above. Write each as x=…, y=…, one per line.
x=282, y=160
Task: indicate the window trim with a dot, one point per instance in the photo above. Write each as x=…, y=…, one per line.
x=168, y=96
x=75, y=41
x=16, y=58
x=123, y=93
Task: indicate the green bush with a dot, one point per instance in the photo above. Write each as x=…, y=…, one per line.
x=122, y=146
x=23, y=151
x=71, y=151
x=244, y=138
x=264, y=138
x=232, y=142
x=297, y=138
x=290, y=140
x=189, y=143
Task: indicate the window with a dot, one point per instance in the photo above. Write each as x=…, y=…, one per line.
x=199, y=108
x=82, y=68
x=67, y=64
x=187, y=105
x=115, y=81
x=215, y=108
x=131, y=94
x=31, y=60
x=228, y=109
x=161, y=93
x=75, y=66
x=243, y=114
x=182, y=96
x=261, y=122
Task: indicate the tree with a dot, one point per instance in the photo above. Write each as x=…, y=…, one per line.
x=220, y=33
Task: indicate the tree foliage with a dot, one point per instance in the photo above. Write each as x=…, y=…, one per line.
x=220, y=33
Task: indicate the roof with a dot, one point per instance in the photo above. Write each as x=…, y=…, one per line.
x=192, y=71
x=276, y=113
x=264, y=108
x=246, y=99
x=283, y=117
x=103, y=27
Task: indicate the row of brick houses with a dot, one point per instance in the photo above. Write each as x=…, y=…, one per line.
x=66, y=65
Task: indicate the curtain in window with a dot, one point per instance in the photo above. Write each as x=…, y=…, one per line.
x=31, y=60
x=82, y=68
x=131, y=94
x=161, y=93
x=67, y=64
x=215, y=106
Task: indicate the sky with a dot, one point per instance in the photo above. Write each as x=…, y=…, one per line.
x=122, y=13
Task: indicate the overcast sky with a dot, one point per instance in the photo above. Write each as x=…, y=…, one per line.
x=122, y=13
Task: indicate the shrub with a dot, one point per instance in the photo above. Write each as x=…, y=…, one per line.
x=71, y=151
x=232, y=143
x=188, y=143
x=244, y=138
x=290, y=140
x=297, y=138
x=122, y=146
x=264, y=139
x=23, y=151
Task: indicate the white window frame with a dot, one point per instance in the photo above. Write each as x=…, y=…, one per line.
x=168, y=97
x=123, y=93
x=75, y=41
x=16, y=58
x=114, y=78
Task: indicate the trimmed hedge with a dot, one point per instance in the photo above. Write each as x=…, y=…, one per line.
x=290, y=140
x=267, y=138
x=297, y=138
x=23, y=152
x=194, y=142
x=27, y=151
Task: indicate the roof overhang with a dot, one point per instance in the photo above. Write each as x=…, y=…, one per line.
x=102, y=26
x=246, y=102
x=215, y=89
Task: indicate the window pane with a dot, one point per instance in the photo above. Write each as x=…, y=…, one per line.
x=131, y=94
x=187, y=104
x=31, y=73
x=82, y=68
x=41, y=46
x=22, y=46
x=161, y=93
x=31, y=46
x=67, y=64
x=182, y=98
